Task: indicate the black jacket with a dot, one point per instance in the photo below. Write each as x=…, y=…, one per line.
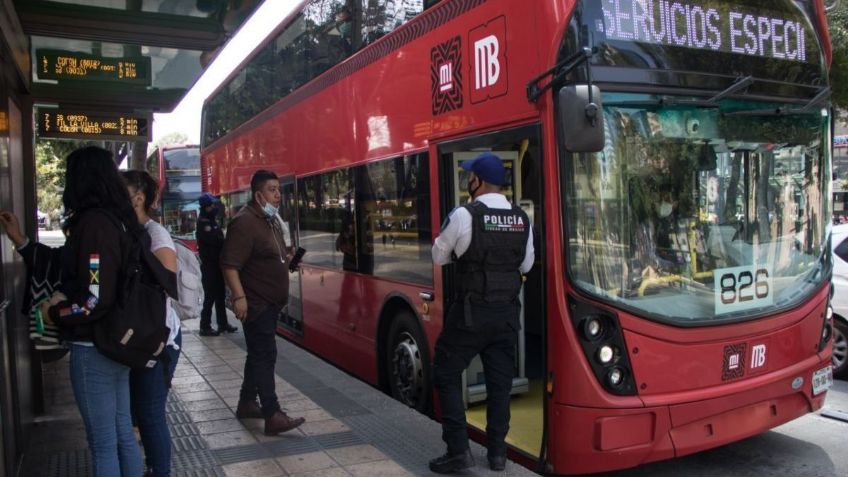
x=91, y=274
x=44, y=272
x=210, y=240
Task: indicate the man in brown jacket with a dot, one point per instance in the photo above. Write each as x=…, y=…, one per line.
x=254, y=264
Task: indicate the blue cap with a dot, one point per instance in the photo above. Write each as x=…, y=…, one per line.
x=488, y=167
x=207, y=199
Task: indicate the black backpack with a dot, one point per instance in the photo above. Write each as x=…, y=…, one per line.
x=134, y=332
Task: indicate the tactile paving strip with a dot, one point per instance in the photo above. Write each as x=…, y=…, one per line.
x=67, y=464
x=338, y=439
x=231, y=455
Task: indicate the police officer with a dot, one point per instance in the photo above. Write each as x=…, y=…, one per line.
x=492, y=244
x=210, y=240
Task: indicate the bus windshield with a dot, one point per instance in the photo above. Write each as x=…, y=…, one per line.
x=695, y=215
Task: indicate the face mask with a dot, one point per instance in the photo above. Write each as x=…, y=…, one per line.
x=470, y=190
x=269, y=209
x=665, y=209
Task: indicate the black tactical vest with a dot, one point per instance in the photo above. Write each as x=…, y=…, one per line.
x=489, y=269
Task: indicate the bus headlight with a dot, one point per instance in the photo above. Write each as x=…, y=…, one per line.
x=615, y=376
x=606, y=354
x=593, y=328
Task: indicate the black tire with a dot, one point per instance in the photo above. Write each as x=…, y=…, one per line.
x=840, y=349
x=408, y=363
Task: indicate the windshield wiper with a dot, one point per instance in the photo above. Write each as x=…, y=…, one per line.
x=822, y=95
x=738, y=85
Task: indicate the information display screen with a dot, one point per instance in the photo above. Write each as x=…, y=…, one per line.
x=68, y=124
x=769, y=39
x=68, y=65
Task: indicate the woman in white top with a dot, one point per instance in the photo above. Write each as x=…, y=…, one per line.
x=149, y=387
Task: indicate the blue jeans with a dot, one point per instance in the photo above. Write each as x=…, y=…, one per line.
x=102, y=390
x=149, y=395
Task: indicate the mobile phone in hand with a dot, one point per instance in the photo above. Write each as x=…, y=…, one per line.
x=295, y=260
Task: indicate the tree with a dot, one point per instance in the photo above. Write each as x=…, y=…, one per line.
x=838, y=22
x=50, y=157
x=172, y=138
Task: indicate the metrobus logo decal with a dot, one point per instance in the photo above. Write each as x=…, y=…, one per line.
x=733, y=366
x=487, y=50
x=446, y=76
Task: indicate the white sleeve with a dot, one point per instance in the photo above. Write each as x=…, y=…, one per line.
x=529, y=254
x=160, y=238
x=446, y=242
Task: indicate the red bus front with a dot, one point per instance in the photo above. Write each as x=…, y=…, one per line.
x=696, y=241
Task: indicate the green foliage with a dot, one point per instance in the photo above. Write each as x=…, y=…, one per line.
x=50, y=171
x=838, y=22
x=171, y=139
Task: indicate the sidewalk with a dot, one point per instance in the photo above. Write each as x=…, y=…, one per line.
x=351, y=428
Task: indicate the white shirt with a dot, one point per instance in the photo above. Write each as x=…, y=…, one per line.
x=456, y=233
x=160, y=238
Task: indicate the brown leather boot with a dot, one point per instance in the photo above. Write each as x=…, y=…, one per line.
x=280, y=422
x=248, y=410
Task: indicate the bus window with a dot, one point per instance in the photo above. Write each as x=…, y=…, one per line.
x=393, y=206
x=327, y=222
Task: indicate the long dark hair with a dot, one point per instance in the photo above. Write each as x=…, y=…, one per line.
x=143, y=182
x=92, y=182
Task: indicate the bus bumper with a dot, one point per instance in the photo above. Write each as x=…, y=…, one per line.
x=587, y=440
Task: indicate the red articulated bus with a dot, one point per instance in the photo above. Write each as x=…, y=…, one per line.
x=673, y=156
x=177, y=168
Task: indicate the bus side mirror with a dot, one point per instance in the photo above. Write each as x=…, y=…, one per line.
x=582, y=118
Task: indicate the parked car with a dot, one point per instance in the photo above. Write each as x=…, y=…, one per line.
x=840, y=301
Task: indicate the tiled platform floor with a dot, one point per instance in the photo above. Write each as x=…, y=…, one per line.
x=351, y=428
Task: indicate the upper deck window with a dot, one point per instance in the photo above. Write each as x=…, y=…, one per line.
x=322, y=35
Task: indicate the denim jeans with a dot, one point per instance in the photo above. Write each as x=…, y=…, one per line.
x=260, y=335
x=149, y=396
x=102, y=390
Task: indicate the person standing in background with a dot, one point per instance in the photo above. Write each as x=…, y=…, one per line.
x=210, y=241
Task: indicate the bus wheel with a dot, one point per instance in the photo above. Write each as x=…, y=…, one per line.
x=408, y=362
x=840, y=349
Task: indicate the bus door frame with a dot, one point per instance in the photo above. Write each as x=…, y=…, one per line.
x=291, y=317
x=448, y=190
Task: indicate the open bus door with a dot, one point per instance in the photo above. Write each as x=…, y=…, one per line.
x=521, y=152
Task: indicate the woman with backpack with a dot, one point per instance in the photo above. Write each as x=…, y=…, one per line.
x=99, y=215
x=149, y=386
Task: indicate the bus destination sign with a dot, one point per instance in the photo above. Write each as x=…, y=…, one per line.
x=68, y=124
x=64, y=65
x=716, y=25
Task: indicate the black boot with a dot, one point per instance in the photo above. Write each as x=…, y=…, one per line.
x=227, y=329
x=497, y=461
x=449, y=463
x=208, y=332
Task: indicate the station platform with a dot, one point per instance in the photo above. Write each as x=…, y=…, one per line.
x=351, y=429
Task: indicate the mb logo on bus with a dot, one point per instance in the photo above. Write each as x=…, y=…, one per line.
x=487, y=45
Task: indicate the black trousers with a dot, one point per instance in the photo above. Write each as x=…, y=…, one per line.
x=493, y=335
x=213, y=294
x=260, y=334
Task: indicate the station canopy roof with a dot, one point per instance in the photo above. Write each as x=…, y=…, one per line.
x=129, y=55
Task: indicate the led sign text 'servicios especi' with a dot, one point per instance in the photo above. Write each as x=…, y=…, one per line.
x=707, y=25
